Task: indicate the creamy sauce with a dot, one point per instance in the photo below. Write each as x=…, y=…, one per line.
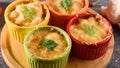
x=75, y=8
x=78, y=31
x=43, y=52
x=18, y=18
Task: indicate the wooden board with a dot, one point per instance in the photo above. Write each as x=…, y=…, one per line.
x=14, y=56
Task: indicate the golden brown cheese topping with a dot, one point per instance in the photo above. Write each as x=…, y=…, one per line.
x=67, y=6
x=89, y=30
x=29, y=14
x=52, y=46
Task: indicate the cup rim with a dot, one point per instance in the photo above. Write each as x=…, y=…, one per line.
x=96, y=44
x=83, y=10
x=12, y=5
x=67, y=38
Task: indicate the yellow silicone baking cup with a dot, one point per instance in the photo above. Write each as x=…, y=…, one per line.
x=18, y=32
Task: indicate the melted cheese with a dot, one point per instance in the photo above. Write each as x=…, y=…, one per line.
x=78, y=31
x=17, y=17
x=75, y=8
x=39, y=50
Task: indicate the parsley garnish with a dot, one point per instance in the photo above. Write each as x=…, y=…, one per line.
x=29, y=12
x=66, y=4
x=90, y=29
x=50, y=44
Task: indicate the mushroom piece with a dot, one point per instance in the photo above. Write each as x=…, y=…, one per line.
x=112, y=11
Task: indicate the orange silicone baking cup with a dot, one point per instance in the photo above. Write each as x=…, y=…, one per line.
x=61, y=20
x=83, y=50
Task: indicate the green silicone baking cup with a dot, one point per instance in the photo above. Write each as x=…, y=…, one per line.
x=57, y=62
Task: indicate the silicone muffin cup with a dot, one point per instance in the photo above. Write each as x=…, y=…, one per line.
x=18, y=32
x=83, y=50
x=61, y=20
x=57, y=62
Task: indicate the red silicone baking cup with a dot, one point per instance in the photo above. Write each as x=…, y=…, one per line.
x=61, y=20
x=89, y=51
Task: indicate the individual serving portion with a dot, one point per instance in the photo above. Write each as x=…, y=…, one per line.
x=23, y=15
x=91, y=35
x=47, y=46
x=28, y=14
x=63, y=10
x=89, y=30
x=67, y=6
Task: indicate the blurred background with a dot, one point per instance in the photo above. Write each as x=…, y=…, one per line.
x=6, y=0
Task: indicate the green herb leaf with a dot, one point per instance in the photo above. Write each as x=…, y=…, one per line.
x=29, y=12
x=90, y=29
x=66, y=4
x=50, y=44
x=32, y=11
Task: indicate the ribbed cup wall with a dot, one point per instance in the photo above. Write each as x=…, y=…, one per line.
x=58, y=63
x=57, y=21
x=86, y=52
